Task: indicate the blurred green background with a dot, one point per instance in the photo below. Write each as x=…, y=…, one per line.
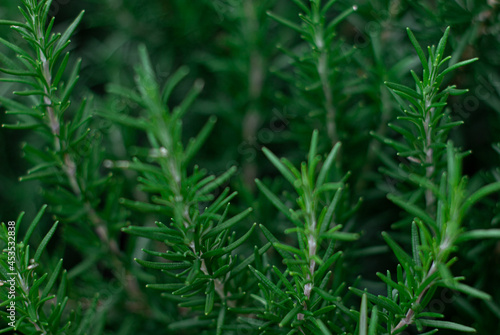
x=256, y=95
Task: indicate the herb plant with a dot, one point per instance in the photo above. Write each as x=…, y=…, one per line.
x=161, y=202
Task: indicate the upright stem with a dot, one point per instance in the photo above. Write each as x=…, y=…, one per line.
x=429, y=202
x=429, y=151
x=176, y=186
x=256, y=74
x=49, y=107
x=312, y=246
x=328, y=97
x=69, y=168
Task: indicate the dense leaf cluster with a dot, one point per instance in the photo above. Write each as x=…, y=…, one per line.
x=138, y=176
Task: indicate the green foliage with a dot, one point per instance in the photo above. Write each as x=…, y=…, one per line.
x=366, y=227
x=68, y=161
x=436, y=228
x=200, y=258
x=302, y=302
x=34, y=303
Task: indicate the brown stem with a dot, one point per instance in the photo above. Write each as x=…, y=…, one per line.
x=408, y=319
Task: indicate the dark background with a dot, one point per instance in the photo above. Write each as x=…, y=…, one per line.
x=226, y=43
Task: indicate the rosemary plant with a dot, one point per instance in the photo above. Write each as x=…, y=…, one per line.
x=300, y=303
x=137, y=177
x=36, y=302
x=201, y=265
x=67, y=156
x=436, y=225
x=319, y=65
x=68, y=161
